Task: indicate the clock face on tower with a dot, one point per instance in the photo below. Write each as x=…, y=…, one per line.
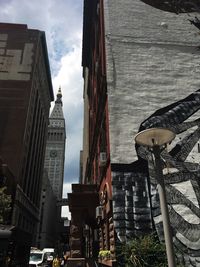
x=53, y=153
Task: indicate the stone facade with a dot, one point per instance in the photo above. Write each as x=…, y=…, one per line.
x=50, y=225
x=55, y=148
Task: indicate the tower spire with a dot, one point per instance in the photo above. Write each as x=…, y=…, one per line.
x=57, y=112
x=59, y=96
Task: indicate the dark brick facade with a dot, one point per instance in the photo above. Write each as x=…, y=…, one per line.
x=25, y=95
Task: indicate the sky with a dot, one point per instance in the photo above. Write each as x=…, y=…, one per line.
x=62, y=21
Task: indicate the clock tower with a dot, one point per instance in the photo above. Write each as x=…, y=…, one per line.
x=55, y=148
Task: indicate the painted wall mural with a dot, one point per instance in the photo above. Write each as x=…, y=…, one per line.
x=181, y=170
x=131, y=213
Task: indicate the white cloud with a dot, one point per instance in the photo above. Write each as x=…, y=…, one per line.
x=62, y=22
x=70, y=78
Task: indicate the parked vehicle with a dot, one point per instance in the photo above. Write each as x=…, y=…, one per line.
x=49, y=252
x=36, y=257
x=41, y=257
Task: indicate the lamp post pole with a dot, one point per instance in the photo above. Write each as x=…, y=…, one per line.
x=155, y=138
x=164, y=208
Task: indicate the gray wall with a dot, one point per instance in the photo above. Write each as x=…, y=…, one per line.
x=152, y=61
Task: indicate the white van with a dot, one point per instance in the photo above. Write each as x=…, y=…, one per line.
x=36, y=257
x=40, y=257
x=49, y=253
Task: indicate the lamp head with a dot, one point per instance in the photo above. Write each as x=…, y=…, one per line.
x=154, y=137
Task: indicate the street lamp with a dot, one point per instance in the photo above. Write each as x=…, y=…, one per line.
x=156, y=139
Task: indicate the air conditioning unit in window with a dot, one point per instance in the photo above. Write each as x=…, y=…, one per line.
x=103, y=158
x=98, y=212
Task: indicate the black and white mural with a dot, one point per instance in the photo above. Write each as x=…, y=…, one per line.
x=132, y=214
x=181, y=170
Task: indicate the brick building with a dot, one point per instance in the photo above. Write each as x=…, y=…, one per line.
x=25, y=96
x=136, y=60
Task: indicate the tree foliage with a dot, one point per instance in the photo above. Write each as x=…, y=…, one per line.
x=5, y=205
x=143, y=251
